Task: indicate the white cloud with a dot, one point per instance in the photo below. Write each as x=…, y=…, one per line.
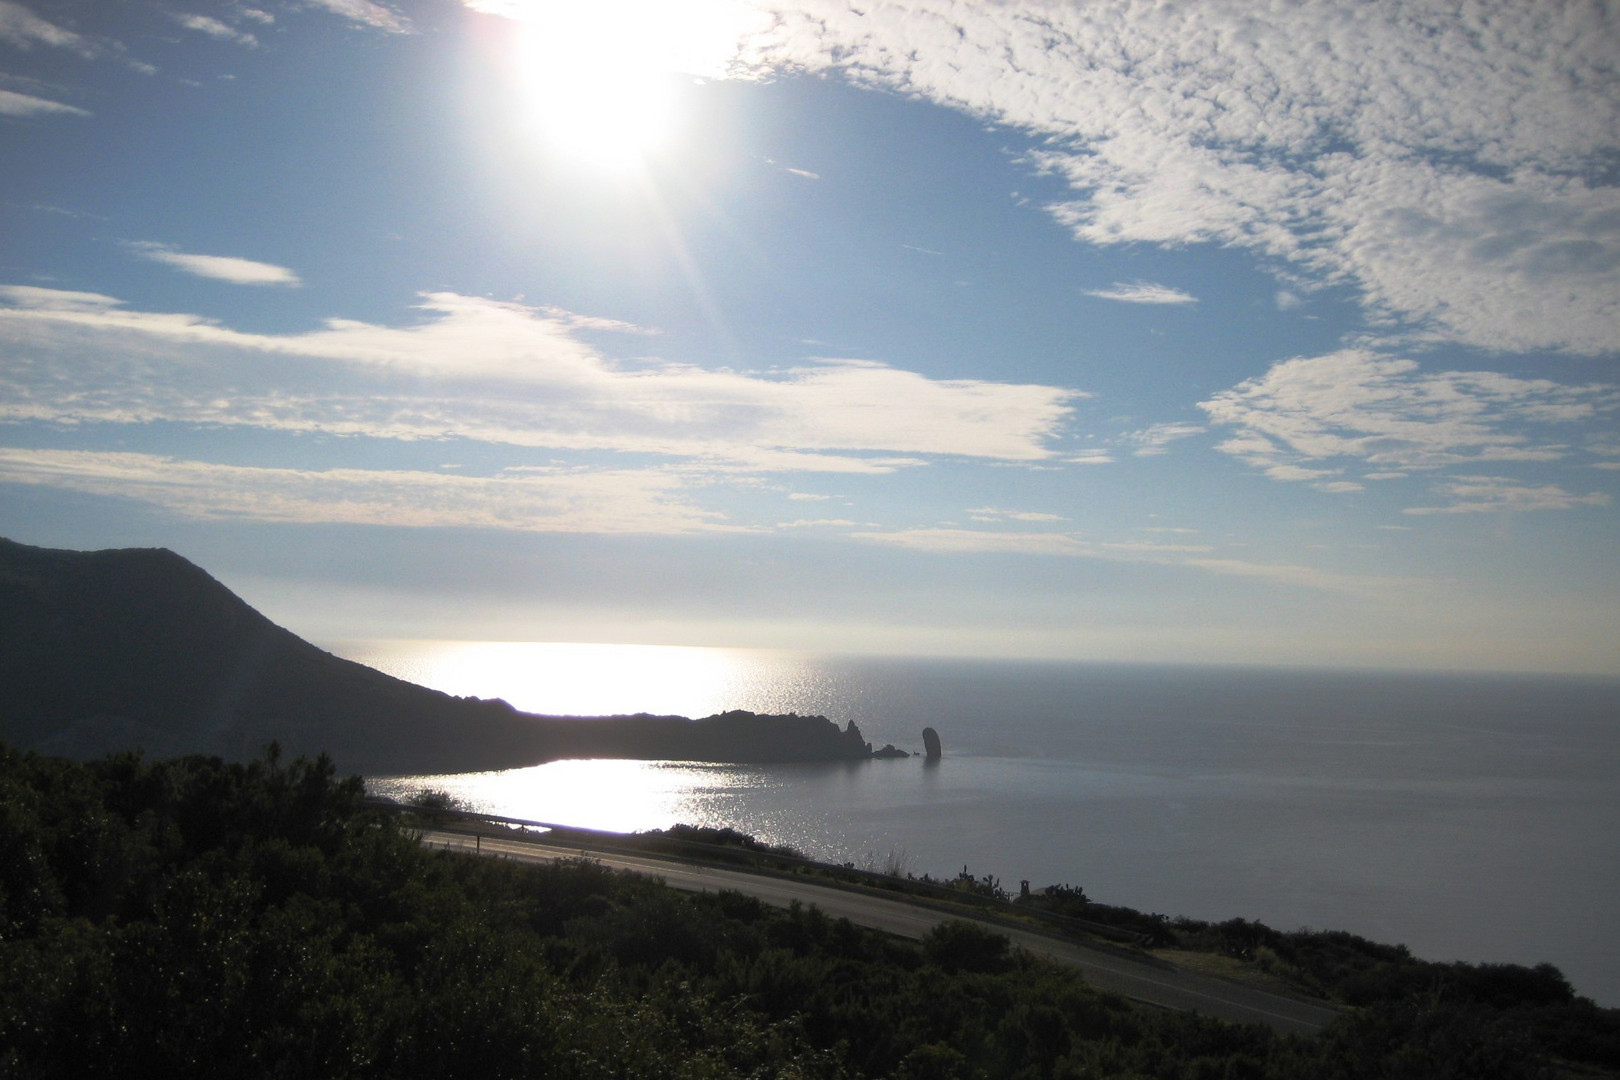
x=1495, y=494
x=1155, y=440
x=951, y=541
x=367, y=13
x=1448, y=161
x=1309, y=577
x=219, y=267
x=1309, y=417
x=991, y=513
x=205, y=24
x=21, y=28
x=805, y=173
x=1091, y=457
x=804, y=496
x=499, y=373
x=948, y=541
x=580, y=501
x=1143, y=292
x=15, y=104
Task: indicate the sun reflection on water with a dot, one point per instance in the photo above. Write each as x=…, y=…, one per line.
x=575, y=679
x=612, y=795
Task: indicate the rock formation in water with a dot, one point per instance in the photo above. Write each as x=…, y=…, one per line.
x=102, y=651
x=931, y=748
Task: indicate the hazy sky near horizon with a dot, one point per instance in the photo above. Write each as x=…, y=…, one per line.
x=1218, y=331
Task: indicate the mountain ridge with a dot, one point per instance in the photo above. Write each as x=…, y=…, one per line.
x=139, y=648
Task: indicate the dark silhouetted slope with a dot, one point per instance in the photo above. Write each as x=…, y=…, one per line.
x=111, y=650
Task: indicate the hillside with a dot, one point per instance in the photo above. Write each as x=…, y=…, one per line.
x=103, y=651
x=197, y=918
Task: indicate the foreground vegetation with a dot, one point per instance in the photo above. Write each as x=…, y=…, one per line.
x=199, y=918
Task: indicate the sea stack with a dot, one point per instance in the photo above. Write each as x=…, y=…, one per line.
x=930, y=744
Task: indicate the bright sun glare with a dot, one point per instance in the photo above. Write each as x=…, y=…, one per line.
x=598, y=79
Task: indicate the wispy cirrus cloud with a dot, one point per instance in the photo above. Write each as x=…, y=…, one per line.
x=1496, y=494
x=1156, y=439
x=956, y=541
x=1091, y=456
x=22, y=29
x=992, y=513
x=367, y=13
x=501, y=373
x=525, y=500
x=1312, y=418
x=13, y=103
x=214, y=28
x=229, y=268
x=1142, y=292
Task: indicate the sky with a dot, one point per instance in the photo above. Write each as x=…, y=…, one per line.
x=1216, y=332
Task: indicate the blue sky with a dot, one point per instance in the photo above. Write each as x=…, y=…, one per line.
x=1215, y=332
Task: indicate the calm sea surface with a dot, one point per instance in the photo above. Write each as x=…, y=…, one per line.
x=1468, y=817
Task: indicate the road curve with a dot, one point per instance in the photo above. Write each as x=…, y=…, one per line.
x=1145, y=980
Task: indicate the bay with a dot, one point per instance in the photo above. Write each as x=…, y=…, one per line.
x=1469, y=817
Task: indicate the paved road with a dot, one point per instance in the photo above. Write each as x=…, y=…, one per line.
x=1150, y=981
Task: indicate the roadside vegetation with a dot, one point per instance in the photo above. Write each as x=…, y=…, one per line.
x=193, y=917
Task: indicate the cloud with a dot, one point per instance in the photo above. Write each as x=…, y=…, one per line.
x=219, y=267
x=1495, y=494
x=21, y=28
x=500, y=373
x=805, y=173
x=947, y=541
x=15, y=104
x=557, y=500
x=991, y=513
x=951, y=541
x=1155, y=440
x=1143, y=292
x=367, y=13
x=1450, y=163
x=1091, y=457
x=204, y=24
x=1311, y=417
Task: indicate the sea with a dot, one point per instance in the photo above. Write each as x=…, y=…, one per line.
x=1469, y=817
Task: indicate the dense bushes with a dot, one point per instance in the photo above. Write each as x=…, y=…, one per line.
x=198, y=918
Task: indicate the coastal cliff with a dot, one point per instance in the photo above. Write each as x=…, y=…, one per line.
x=104, y=651
x=738, y=736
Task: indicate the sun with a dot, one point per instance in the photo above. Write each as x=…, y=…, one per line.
x=598, y=81
x=594, y=105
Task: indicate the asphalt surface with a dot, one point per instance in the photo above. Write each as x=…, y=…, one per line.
x=1142, y=979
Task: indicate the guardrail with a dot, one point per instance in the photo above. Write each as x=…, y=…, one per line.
x=777, y=862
